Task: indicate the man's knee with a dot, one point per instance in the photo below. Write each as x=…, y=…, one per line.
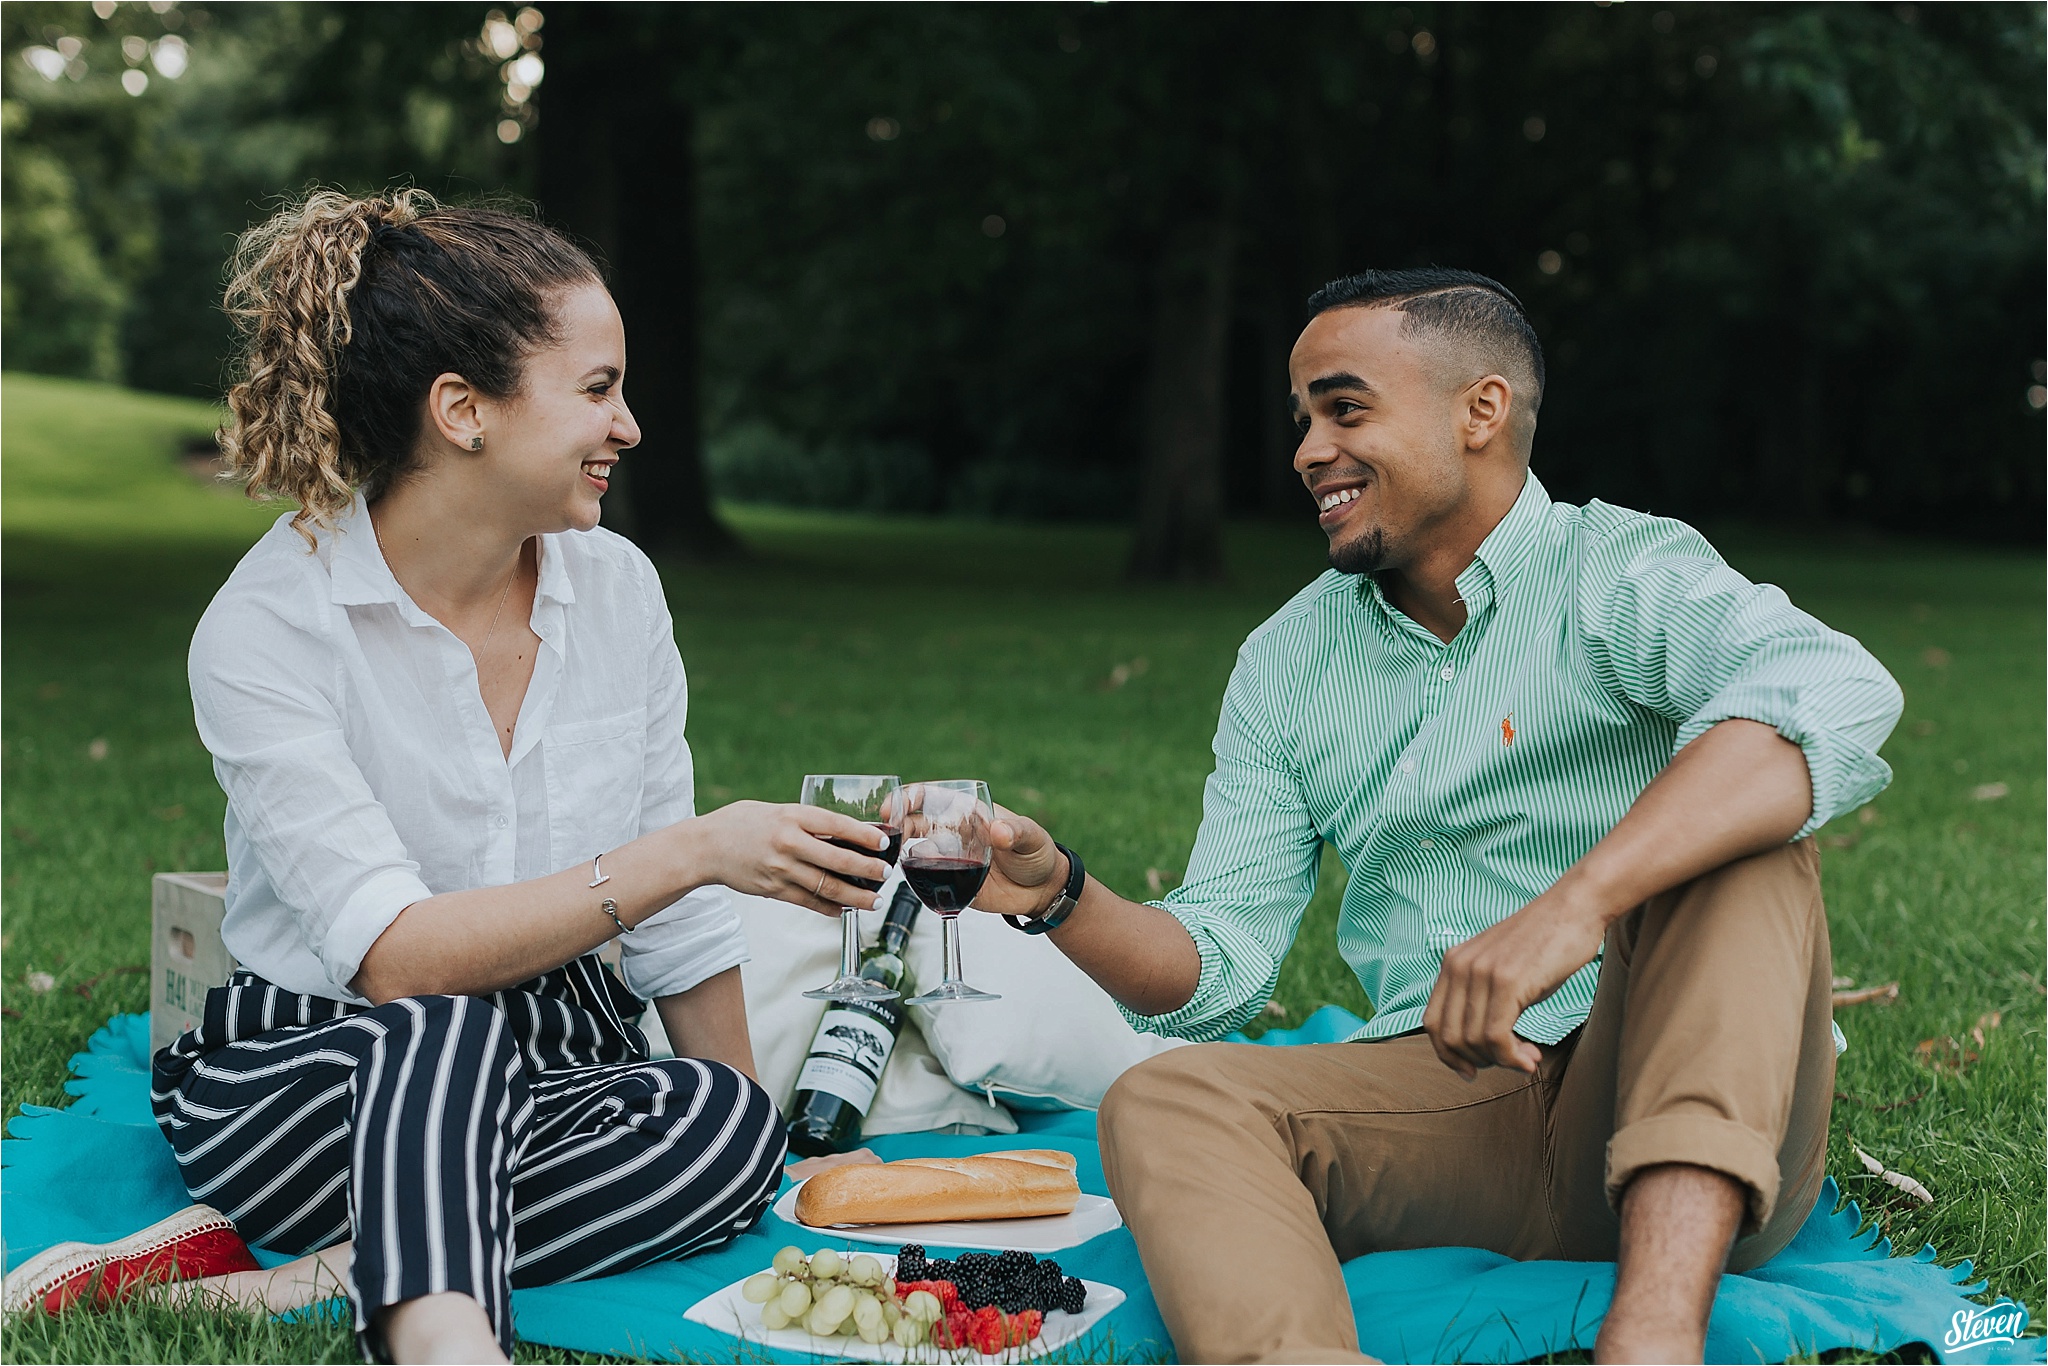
x=1199, y=1081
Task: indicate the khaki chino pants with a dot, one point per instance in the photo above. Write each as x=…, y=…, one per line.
x=1248, y=1174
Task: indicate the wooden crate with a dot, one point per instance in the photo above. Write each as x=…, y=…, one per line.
x=186, y=957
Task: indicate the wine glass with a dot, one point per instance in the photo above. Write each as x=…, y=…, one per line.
x=945, y=861
x=876, y=799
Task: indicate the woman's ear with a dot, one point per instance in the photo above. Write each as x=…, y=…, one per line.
x=455, y=410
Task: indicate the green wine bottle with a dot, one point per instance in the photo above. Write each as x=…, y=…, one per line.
x=837, y=1086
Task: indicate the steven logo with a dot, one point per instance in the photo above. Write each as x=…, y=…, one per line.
x=1980, y=1327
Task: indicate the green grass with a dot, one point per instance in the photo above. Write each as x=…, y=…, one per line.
x=1001, y=660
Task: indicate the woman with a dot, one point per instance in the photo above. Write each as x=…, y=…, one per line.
x=447, y=711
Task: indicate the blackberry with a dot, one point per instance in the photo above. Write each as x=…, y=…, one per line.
x=911, y=1263
x=1014, y=1302
x=940, y=1270
x=1013, y=1261
x=1049, y=1269
x=1073, y=1295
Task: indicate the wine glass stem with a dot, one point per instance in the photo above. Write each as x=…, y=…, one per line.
x=849, y=942
x=952, y=937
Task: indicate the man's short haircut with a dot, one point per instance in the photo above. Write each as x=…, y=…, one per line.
x=1461, y=306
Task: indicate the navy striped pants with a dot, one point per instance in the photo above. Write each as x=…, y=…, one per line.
x=467, y=1144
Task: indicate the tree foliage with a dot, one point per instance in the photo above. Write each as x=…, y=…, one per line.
x=1047, y=260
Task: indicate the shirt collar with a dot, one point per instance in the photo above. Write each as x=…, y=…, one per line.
x=1499, y=560
x=360, y=575
x=1507, y=549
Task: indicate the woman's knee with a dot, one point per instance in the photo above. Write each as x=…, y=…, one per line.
x=466, y=1024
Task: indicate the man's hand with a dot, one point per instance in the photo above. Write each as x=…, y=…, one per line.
x=1490, y=979
x=1027, y=870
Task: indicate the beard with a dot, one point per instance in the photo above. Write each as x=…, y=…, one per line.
x=1365, y=553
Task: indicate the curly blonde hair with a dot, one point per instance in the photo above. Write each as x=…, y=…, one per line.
x=346, y=312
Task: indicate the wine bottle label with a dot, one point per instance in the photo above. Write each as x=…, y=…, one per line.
x=847, y=1057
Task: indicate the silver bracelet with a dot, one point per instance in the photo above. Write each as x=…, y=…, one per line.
x=608, y=906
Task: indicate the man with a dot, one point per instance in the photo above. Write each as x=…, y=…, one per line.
x=1572, y=761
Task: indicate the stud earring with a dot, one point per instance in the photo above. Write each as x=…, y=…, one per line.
x=476, y=443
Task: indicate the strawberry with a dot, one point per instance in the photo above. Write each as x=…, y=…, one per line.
x=989, y=1332
x=954, y=1330
x=1025, y=1327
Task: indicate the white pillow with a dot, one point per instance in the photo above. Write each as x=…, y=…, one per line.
x=795, y=950
x=1055, y=1040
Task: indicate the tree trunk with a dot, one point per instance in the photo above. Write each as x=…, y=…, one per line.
x=618, y=167
x=1180, y=494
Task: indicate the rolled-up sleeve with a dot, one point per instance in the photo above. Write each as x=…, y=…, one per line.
x=1252, y=871
x=699, y=936
x=265, y=696
x=1672, y=627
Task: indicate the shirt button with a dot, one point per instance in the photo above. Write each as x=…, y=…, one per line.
x=1407, y=765
x=1447, y=673
x=1425, y=844
x=501, y=822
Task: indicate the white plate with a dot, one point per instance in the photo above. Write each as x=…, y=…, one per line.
x=727, y=1311
x=1092, y=1215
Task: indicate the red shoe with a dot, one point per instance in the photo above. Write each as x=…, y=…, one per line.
x=196, y=1241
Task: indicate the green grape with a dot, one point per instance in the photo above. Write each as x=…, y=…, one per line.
x=892, y=1310
x=761, y=1288
x=826, y=1264
x=789, y=1261
x=847, y=1327
x=837, y=1302
x=772, y=1317
x=865, y=1270
x=867, y=1314
x=924, y=1307
x=908, y=1332
x=817, y=1325
x=796, y=1298
x=874, y=1334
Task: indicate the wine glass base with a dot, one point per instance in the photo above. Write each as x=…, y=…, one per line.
x=852, y=989
x=947, y=992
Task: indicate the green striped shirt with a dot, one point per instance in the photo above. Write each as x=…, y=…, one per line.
x=1458, y=781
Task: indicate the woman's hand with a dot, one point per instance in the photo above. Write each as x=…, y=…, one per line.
x=766, y=849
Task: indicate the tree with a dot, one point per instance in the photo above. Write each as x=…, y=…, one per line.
x=618, y=166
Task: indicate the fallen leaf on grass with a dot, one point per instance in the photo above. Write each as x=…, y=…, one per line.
x=1276, y=1010
x=1883, y=995
x=1934, y=657
x=1989, y=792
x=1990, y=1019
x=1846, y=841
x=10, y=1012
x=1891, y=1178
x=1943, y=1055
x=96, y=751
x=41, y=982
x=1123, y=673
x=1839, y=981
x=1157, y=878
x=1868, y=816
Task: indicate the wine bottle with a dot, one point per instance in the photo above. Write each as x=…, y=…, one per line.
x=837, y=1085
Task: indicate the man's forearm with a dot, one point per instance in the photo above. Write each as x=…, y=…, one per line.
x=1737, y=790
x=1139, y=954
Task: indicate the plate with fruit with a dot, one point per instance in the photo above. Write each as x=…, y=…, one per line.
x=980, y=1306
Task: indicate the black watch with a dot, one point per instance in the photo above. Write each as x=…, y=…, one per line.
x=1062, y=905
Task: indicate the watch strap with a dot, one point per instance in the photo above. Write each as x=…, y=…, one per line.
x=1062, y=905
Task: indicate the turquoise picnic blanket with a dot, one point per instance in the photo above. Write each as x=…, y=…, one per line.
x=98, y=1169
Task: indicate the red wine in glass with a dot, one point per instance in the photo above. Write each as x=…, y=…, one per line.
x=887, y=854
x=946, y=856
x=946, y=885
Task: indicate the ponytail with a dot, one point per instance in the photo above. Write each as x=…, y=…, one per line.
x=347, y=310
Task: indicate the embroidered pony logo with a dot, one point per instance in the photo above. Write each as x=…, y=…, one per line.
x=1507, y=729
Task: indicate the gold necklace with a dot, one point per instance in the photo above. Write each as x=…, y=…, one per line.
x=489, y=631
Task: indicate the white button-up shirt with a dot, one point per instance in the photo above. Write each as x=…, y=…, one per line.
x=363, y=773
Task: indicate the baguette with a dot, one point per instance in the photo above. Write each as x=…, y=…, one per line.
x=916, y=1190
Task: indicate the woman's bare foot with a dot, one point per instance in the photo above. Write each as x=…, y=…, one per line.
x=276, y=1290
